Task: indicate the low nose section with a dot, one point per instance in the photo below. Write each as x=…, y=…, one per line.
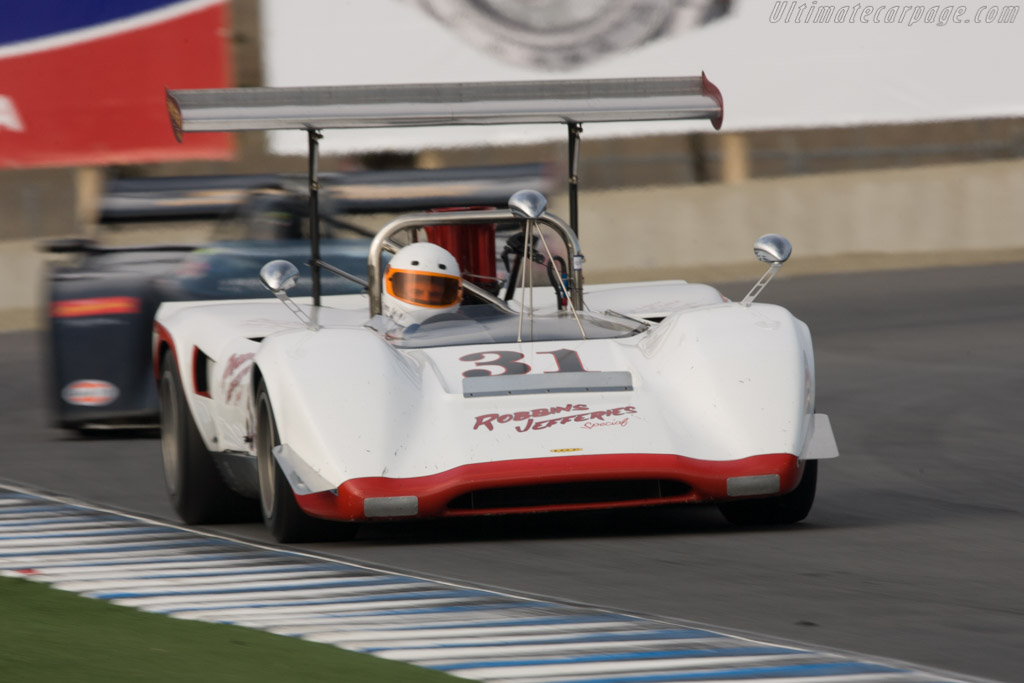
x=681, y=480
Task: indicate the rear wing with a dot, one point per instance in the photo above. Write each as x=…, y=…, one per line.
x=445, y=104
x=572, y=103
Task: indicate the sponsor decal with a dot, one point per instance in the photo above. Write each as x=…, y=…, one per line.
x=109, y=305
x=543, y=418
x=614, y=423
x=90, y=392
x=565, y=450
x=235, y=371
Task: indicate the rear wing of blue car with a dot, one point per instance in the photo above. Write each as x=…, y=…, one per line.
x=571, y=103
x=137, y=200
x=212, y=198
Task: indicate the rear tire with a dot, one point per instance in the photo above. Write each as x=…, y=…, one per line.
x=788, y=508
x=281, y=513
x=196, y=489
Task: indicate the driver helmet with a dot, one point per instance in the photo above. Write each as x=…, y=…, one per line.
x=421, y=281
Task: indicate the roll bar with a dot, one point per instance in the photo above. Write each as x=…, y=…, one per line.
x=382, y=242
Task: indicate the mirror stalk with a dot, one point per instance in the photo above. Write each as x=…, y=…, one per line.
x=279, y=276
x=773, y=249
x=761, y=284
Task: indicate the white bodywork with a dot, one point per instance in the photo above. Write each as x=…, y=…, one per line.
x=709, y=400
x=713, y=380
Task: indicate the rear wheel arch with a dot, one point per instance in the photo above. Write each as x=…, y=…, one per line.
x=195, y=487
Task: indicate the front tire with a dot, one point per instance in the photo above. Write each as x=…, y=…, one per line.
x=196, y=489
x=788, y=508
x=281, y=513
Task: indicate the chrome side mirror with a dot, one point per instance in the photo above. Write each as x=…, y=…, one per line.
x=528, y=204
x=279, y=276
x=773, y=249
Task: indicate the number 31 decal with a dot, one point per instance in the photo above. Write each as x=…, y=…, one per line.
x=509, y=362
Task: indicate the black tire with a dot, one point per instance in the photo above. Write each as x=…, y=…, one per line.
x=788, y=508
x=195, y=487
x=281, y=513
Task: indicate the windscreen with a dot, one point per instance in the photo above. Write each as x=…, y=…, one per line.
x=486, y=324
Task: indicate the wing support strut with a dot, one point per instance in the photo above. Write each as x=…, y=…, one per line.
x=574, y=169
x=314, y=211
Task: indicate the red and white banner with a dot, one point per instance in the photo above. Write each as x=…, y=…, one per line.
x=82, y=83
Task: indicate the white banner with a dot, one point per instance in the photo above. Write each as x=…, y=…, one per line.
x=780, y=64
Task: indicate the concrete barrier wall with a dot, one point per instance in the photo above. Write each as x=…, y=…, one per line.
x=23, y=267
x=939, y=215
x=37, y=203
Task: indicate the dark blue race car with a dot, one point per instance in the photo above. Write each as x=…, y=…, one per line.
x=102, y=301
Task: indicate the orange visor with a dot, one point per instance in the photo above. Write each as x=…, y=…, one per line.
x=424, y=289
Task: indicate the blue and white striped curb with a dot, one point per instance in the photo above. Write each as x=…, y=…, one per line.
x=471, y=633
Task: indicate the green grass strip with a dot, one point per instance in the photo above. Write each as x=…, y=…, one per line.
x=51, y=635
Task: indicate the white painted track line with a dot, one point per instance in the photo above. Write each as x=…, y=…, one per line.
x=471, y=633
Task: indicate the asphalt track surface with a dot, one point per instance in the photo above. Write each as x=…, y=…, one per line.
x=914, y=550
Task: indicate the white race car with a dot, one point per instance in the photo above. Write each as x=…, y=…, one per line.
x=529, y=393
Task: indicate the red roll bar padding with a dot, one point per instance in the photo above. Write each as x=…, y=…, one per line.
x=472, y=246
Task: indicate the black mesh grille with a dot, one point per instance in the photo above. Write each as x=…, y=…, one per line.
x=572, y=493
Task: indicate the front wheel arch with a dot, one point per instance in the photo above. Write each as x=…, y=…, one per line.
x=282, y=515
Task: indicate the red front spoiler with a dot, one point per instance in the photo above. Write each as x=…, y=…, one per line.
x=692, y=481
